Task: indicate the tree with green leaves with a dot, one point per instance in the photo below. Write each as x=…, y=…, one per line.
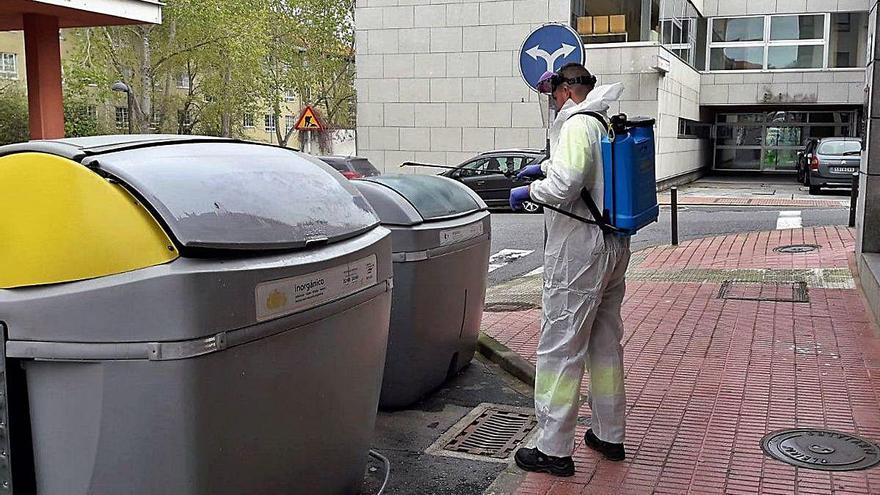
x=211, y=49
x=13, y=114
x=311, y=53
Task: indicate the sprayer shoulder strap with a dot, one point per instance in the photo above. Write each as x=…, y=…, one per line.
x=601, y=220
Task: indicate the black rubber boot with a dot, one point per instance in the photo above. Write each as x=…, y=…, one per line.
x=536, y=461
x=611, y=451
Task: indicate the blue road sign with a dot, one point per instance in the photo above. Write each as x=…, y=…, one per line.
x=547, y=49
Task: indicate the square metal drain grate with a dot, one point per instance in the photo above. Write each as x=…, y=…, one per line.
x=491, y=432
x=794, y=292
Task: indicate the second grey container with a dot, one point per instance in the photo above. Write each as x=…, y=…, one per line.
x=440, y=242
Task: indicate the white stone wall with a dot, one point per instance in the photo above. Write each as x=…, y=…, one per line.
x=796, y=87
x=799, y=87
x=648, y=93
x=679, y=97
x=438, y=80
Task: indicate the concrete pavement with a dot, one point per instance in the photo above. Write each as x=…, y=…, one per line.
x=718, y=355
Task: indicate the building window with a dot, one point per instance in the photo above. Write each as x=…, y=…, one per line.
x=184, y=119
x=121, y=118
x=92, y=111
x=183, y=81
x=679, y=21
x=691, y=129
x=269, y=122
x=848, y=39
x=289, y=95
x=156, y=120
x=8, y=66
x=786, y=42
x=617, y=21
x=289, y=122
x=247, y=121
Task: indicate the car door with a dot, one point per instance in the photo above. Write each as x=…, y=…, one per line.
x=473, y=175
x=499, y=177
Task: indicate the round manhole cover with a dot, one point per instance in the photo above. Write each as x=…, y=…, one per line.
x=824, y=450
x=502, y=307
x=796, y=248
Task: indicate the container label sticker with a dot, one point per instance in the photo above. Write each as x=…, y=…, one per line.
x=451, y=236
x=291, y=295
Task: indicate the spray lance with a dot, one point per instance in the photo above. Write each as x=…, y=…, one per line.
x=569, y=214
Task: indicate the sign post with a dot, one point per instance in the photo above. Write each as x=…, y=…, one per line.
x=309, y=122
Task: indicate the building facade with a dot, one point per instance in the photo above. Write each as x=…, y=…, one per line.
x=735, y=85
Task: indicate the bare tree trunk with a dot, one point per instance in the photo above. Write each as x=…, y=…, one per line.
x=225, y=116
x=144, y=112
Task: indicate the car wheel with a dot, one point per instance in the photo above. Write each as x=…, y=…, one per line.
x=530, y=207
x=809, y=183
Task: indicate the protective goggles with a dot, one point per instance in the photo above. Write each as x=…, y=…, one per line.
x=548, y=82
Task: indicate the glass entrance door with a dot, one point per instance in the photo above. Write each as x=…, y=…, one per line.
x=781, y=144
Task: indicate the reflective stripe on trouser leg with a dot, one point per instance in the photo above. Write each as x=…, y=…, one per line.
x=605, y=358
x=558, y=375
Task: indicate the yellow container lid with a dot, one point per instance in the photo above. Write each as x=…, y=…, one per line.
x=61, y=222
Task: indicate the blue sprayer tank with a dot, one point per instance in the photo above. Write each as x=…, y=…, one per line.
x=630, y=179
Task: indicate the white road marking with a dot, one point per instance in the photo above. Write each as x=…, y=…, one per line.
x=789, y=220
x=505, y=256
x=536, y=271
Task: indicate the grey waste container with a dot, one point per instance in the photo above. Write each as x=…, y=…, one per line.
x=440, y=238
x=246, y=359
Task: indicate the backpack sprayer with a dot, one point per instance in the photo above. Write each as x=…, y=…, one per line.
x=630, y=186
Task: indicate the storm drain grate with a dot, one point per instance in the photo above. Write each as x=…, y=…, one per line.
x=508, y=306
x=796, y=248
x=794, y=292
x=824, y=450
x=491, y=432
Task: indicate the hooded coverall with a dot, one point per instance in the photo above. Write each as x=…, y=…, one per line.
x=584, y=287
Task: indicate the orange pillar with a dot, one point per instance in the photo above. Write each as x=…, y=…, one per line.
x=42, y=50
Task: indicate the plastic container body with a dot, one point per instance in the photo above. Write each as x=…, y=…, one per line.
x=248, y=359
x=440, y=235
x=435, y=315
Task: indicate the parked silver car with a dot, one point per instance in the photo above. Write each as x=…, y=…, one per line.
x=830, y=162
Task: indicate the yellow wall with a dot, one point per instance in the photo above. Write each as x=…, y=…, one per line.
x=13, y=42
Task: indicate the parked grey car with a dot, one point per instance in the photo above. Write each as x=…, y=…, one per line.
x=831, y=163
x=352, y=167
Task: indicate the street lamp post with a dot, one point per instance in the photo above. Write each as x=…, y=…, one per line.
x=123, y=88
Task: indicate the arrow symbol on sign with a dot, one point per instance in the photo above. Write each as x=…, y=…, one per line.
x=537, y=52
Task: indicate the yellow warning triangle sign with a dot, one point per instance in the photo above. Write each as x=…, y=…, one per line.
x=308, y=121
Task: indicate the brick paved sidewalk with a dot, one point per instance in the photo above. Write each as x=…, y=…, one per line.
x=707, y=377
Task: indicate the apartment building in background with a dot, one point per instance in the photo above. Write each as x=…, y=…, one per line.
x=113, y=114
x=735, y=85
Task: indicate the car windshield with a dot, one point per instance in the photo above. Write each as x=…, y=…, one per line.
x=840, y=148
x=364, y=167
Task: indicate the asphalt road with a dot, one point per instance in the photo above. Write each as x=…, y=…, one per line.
x=524, y=232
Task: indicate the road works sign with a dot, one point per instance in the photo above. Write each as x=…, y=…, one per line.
x=547, y=49
x=308, y=121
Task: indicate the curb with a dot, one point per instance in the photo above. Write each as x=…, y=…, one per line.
x=508, y=360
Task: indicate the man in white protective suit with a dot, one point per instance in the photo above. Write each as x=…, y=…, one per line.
x=584, y=285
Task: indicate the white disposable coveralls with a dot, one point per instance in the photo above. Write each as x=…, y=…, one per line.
x=583, y=286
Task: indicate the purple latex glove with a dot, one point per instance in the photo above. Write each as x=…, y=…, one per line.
x=519, y=195
x=530, y=172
